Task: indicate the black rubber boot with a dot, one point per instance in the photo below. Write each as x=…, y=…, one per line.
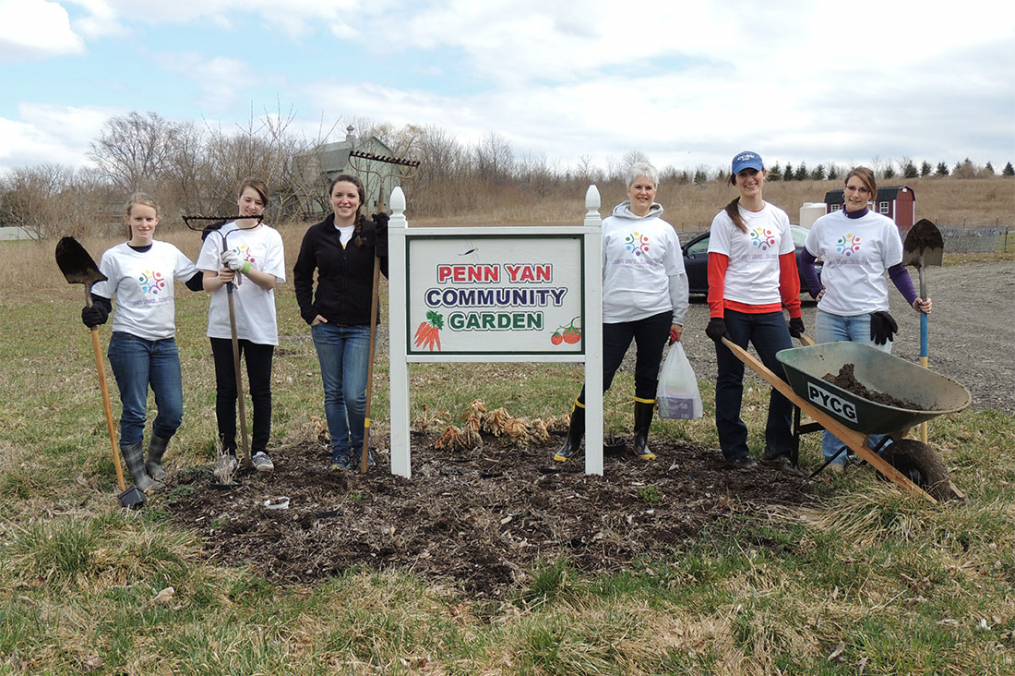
x=156, y=449
x=133, y=457
x=574, y=433
x=644, y=409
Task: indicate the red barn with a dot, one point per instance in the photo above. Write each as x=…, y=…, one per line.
x=896, y=202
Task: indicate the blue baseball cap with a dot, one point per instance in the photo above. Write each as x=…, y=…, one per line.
x=747, y=160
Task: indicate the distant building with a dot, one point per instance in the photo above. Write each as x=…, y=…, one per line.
x=896, y=202
x=321, y=165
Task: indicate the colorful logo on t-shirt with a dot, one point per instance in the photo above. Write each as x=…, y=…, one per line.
x=244, y=251
x=637, y=242
x=762, y=238
x=152, y=282
x=848, y=244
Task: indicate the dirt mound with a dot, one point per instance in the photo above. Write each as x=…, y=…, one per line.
x=475, y=519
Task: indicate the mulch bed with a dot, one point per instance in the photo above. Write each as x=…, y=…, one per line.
x=478, y=519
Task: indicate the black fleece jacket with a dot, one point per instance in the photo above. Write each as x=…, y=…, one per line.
x=344, y=275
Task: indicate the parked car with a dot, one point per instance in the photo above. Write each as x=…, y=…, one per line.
x=696, y=260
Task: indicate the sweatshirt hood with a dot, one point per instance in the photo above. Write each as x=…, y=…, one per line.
x=623, y=210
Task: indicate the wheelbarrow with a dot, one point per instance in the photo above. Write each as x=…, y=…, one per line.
x=853, y=419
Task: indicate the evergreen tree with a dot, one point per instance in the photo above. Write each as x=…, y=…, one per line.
x=889, y=172
x=1008, y=170
x=989, y=169
x=700, y=176
x=942, y=169
x=775, y=173
x=925, y=168
x=801, y=172
x=833, y=172
x=787, y=175
x=910, y=170
x=818, y=173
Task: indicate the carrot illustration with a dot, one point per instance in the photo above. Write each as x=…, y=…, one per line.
x=428, y=334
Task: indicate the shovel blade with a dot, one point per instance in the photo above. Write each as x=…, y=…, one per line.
x=924, y=245
x=132, y=498
x=75, y=263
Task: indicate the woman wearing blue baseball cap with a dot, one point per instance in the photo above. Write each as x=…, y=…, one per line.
x=752, y=275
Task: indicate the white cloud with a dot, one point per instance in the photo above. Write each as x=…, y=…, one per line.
x=36, y=29
x=222, y=82
x=50, y=134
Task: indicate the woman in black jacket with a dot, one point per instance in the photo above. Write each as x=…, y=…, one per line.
x=341, y=249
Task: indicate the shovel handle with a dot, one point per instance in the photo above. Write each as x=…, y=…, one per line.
x=104, y=386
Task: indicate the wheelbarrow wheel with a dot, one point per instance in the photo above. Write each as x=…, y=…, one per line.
x=922, y=465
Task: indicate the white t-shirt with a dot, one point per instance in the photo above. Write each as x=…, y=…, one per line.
x=643, y=268
x=142, y=283
x=254, y=307
x=856, y=253
x=752, y=277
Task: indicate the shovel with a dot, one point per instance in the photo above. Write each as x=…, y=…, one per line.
x=79, y=268
x=923, y=246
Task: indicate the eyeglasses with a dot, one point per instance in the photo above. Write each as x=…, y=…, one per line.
x=862, y=190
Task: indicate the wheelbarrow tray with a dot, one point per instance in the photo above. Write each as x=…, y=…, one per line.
x=878, y=371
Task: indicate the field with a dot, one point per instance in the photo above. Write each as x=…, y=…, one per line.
x=672, y=567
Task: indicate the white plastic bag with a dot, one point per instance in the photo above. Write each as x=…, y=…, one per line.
x=678, y=395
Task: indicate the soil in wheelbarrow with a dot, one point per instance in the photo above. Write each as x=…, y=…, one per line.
x=846, y=379
x=479, y=520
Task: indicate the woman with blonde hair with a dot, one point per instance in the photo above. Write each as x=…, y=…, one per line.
x=142, y=349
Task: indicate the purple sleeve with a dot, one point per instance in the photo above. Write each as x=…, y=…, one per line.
x=903, y=282
x=809, y=272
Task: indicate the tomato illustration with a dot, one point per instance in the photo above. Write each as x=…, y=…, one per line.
x=557, y=338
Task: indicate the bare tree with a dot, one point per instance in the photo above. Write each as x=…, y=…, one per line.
x=135, y=150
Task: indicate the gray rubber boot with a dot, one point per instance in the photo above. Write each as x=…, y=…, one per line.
x=156, y=449
x=574, y=433
x=133, y=457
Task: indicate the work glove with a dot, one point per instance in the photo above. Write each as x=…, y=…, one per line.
x=675, y=335
x=716, y=329
x=796, y=326
x=234, y=261
x=381, y=245
x=883, y=327
x=94, y=315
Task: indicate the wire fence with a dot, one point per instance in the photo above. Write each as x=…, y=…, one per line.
x=976, y=240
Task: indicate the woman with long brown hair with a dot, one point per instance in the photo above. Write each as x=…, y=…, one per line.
x=248, y=253
x=341, y=249
x=752, y=276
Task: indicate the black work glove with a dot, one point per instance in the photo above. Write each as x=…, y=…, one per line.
x=883, y=327
x=94, y=315
x=381, y=245
x=716, y=329
x=796, y=326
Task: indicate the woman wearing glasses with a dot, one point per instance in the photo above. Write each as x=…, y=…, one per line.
x=857, y=246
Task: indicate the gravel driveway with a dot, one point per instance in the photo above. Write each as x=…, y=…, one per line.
x=971, y=332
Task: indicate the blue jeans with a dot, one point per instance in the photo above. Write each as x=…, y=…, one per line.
x=829, y=328
x=769, y=334
x=138, y=363
x=344, y=355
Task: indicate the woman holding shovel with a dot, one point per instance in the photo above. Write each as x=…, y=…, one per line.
x=857, y=246
x=142, y=349
x=341, y=249
x=249, y=254
x=752, y=276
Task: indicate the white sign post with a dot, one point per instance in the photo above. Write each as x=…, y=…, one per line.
x=495, y=294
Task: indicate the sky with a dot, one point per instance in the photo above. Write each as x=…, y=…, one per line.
x=688, y=83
